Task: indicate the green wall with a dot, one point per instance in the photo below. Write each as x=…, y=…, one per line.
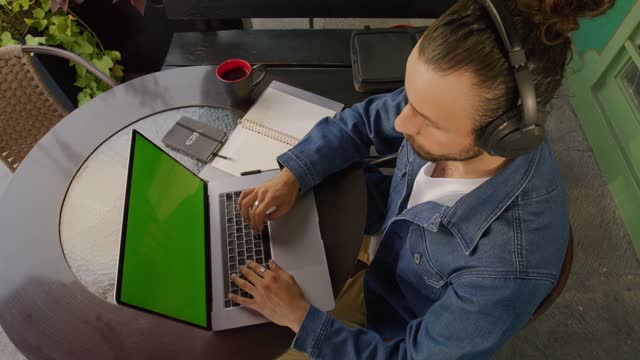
x=596, y=33
x=606, y=48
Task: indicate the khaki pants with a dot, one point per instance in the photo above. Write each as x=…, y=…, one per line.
x=349, y=309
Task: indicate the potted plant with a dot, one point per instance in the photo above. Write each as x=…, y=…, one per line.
x=53, y=23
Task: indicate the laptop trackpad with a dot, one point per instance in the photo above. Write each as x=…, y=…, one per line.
x=295, y=238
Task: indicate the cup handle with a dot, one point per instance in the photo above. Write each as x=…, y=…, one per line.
x=258, y=68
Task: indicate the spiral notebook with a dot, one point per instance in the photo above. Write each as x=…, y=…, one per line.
x=281, y=116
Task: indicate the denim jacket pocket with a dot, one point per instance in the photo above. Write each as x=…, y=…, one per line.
x=422, y=259
x=416, y=276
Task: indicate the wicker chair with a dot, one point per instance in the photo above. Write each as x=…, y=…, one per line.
x=28, y=109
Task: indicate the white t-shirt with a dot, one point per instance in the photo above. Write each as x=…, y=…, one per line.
x=443, y=191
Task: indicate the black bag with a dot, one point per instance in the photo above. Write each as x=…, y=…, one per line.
x=379, y=57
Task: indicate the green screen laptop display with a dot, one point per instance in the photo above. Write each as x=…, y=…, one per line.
x=163, y=265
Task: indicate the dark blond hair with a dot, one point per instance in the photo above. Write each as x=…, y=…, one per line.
x=465, y=38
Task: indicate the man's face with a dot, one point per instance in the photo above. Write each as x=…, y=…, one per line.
x=437, y=120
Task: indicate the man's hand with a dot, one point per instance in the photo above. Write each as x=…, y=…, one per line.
x=276, y=295
x=279, y=193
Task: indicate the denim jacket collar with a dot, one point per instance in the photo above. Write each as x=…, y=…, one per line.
x=470, y=216
x=473, y=213
x=427, y=214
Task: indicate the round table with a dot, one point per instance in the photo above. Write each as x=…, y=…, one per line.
x=69, y=191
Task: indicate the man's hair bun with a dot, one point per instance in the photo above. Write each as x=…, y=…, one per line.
x=558, y=19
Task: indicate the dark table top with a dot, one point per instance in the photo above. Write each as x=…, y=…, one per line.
x=45, y=309
x=332, y=83
x=236, y=9
x=317, y=59
x=297, y=47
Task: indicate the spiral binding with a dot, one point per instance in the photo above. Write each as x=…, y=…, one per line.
x=269, y=132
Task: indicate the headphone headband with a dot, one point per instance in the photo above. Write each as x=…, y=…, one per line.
x=517, y=58
x=518, y=131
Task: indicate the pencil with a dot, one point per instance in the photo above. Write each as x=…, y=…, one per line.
x=222, y=156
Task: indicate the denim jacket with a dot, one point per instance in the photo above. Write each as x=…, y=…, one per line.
x=446, y=282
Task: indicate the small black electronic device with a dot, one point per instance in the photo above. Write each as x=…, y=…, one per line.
x=379, y=57
x=194, y=138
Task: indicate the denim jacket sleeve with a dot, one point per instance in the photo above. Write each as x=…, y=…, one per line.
x=472, y=320
x=336, y=142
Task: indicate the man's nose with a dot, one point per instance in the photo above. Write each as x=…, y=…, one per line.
x=405, y=123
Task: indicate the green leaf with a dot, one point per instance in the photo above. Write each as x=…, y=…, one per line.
x=82, y=82
x=45, y=4
x=83, y=48
x=75, y=28
x=25, y=4
x=53, y=39
x=52, y=29
x=118, y=71
x=57, y=28
x=39, y=25
x=114, y=55
x=63, y=24
x=3, y=2
x=31, y=40
x=80, y=70
x=84, y=97
x=103, y=64
x=93, y=86
x=6, y=40
x=90, y=39
x=63, y=29
x=53, y=36
x=68, y=42
x=38, y=13
x=57, y=19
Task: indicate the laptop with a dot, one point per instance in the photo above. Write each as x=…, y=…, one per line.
x=182, y=237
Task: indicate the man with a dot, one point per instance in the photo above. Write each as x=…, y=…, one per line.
x=471, y=243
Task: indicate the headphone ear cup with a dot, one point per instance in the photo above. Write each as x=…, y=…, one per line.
x=498, y=129
x=503, y=136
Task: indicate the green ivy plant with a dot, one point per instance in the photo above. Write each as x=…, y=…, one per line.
x=41, y=22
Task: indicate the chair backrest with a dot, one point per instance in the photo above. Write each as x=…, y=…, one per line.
x=560, y=284
x=27, y=110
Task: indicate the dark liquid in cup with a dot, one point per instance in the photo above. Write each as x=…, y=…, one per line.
x=234, y=74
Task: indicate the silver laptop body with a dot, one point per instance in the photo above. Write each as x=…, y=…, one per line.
x=295, y=244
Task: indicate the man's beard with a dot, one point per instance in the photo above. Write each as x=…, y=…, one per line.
x=469, y=153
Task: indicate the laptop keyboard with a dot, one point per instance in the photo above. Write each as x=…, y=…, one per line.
x=241, y=245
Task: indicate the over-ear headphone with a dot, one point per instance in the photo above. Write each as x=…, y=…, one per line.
x=522, y=129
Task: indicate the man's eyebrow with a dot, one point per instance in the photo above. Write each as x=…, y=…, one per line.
x=421, y=114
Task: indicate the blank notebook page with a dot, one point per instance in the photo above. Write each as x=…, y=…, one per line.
x=287, y=114
x=249, y=151
x=275, y=110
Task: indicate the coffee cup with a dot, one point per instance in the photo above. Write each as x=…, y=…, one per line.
x=239, y=79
